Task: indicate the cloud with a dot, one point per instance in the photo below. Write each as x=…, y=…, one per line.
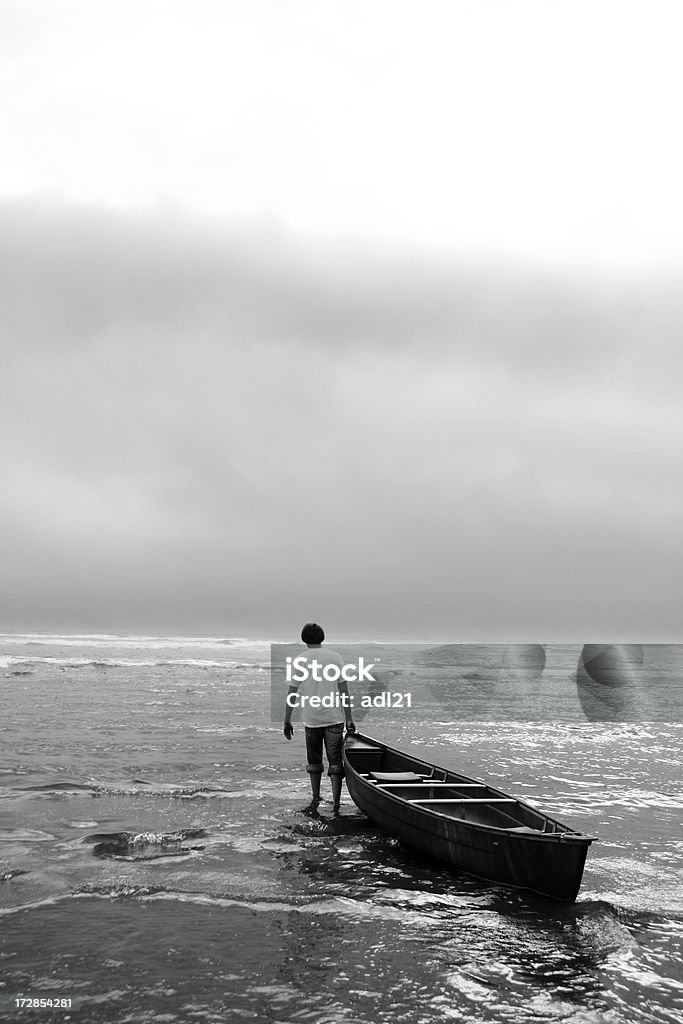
x=469, y=127
x=226, y=426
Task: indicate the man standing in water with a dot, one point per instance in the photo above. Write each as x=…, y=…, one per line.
x=322, y=724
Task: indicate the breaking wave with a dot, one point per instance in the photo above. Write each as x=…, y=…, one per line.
x=12, y=662
x=120, y=641
x=138, y=788
x=145, y=845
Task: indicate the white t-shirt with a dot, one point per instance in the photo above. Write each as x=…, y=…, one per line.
x=316, y=717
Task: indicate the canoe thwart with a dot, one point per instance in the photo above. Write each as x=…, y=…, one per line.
x=428, y=783
x=466, y=800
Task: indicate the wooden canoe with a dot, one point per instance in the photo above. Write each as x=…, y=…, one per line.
x=468, y=824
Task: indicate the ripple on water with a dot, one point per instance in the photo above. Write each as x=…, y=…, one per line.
x=24, y=835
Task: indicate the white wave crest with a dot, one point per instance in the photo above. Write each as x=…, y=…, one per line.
x=11, y=661
x=104, y=640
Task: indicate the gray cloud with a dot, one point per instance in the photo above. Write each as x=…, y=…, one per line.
x=228, y=429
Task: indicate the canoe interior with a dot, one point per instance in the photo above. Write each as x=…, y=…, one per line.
x=446, y=792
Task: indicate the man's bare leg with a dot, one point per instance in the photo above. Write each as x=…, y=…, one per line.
x=315, y=778
x=334, y=740
x=336, y=781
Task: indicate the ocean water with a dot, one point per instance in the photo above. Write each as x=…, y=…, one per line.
x=155, y=864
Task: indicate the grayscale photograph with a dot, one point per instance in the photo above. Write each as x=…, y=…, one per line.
x=341, y=560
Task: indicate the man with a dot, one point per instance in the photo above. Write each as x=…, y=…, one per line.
x=322, y=724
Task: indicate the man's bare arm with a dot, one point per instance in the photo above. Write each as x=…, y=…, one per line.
x=346, y=702
x=288, y=728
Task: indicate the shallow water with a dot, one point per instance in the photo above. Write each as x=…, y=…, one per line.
x=155, y=866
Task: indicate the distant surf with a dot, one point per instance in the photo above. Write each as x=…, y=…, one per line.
x=119, y=641
x=11, y=661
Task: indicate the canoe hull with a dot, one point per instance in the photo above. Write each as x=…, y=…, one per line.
x=550, y=865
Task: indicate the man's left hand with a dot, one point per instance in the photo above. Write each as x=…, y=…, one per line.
x=288, y=730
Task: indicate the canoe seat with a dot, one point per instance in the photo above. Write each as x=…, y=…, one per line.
x=396, y=777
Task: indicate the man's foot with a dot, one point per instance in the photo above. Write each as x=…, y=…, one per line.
x=335, y=809
x=311, y=808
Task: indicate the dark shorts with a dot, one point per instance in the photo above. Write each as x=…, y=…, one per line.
x=331, y=736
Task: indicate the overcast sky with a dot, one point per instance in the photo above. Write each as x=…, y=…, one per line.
x=363, y=312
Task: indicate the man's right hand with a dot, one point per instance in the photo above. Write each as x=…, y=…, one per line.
x=288, y=730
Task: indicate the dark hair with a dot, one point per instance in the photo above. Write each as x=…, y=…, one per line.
x=312, y=633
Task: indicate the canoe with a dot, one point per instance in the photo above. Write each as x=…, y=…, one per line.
x=468, y=824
